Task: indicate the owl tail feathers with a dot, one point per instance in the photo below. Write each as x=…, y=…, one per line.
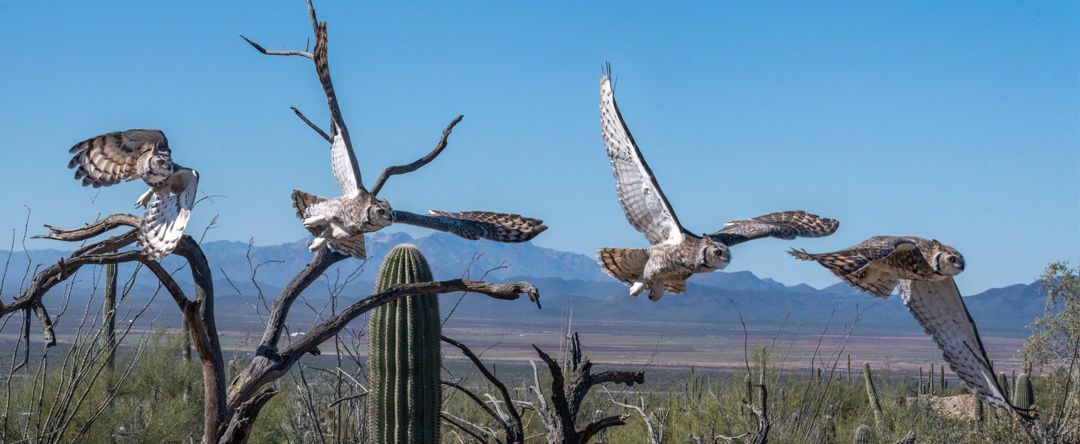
x=801, y=255
x=301, y=201
x=624, y=264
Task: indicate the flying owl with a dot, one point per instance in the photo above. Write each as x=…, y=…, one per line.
x=923, y=270
x=120, y=156
x=674, y=254
x=341, y=222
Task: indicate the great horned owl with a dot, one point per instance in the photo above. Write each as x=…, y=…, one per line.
x=674, y=254
x=341, y=222
x=923, y=270
x=142, y=153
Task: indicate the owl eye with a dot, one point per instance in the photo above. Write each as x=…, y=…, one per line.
x=951, y=259
x=380, y=211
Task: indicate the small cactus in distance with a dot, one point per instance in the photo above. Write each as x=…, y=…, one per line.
x=862, y=435
x=1003, y=381
x=1023, y=393
x=980, y=411
x=871, y=393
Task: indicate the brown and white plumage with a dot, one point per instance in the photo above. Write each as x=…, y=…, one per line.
x=120, y=156
x=877, y=265
x=674, y=253
x=341, y=222
x=144, y=154
x=923, y=270
x=476, y=224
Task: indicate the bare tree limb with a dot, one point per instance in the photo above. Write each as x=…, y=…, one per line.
x=290, y=52
x=512, y=423
x=566, y=399
x=599, y=425
x=408, y=168
x=268, y=365
x=312, y=125
x=464, y=426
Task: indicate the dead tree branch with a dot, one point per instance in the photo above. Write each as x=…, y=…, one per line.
x=408, y=168
x=319, y=56
x=269, y=364
x=198, y=313
x=560, y=416
x=511, y=421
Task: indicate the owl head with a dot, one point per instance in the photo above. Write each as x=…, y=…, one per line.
x=946, y=260
x=156, y=166
x=712, y=255
x=377, y=214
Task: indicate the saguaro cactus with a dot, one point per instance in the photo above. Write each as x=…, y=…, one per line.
x=109, y=310
x=871, y=393
x=403, y=356
x=862, y=435
x=941, y=380
x=1023, y=394
x=980, y=411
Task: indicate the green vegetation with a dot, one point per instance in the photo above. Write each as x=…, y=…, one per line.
x=154, y=395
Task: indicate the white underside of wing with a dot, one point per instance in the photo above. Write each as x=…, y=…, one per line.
x=641, y=198
x=938, y=306
x=167, y=217
x=342, y=166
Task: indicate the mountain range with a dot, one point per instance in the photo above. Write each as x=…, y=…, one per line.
x=567, y=281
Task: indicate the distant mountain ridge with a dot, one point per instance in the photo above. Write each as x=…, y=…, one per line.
x=566, y=280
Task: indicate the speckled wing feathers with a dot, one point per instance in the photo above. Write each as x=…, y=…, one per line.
x=353, y=246
x=783, y=225
x=113, y=157
x=645, y=205
x=498, y=227
x=624, y=264
x=678, y=285
x=868, y=265
x=938, y=306
x=167, y=217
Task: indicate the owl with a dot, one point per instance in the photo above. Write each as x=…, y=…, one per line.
x=923, y=270
x=144, y=154
x=674, y=253
x=341, y=222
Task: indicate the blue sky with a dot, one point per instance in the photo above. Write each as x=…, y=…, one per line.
x=957, y=121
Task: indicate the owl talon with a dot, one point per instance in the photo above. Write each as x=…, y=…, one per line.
x=314, y=220
x=318, y=244
x=143, y=200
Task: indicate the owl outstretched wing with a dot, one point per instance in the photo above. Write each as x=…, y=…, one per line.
x=343, y=163
x=342, y=158
x=645, y=205
x=165, y=220
x=937, y=305
x=868, y=266
x=476, y=224
x=783, y=225
x=113, y=157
